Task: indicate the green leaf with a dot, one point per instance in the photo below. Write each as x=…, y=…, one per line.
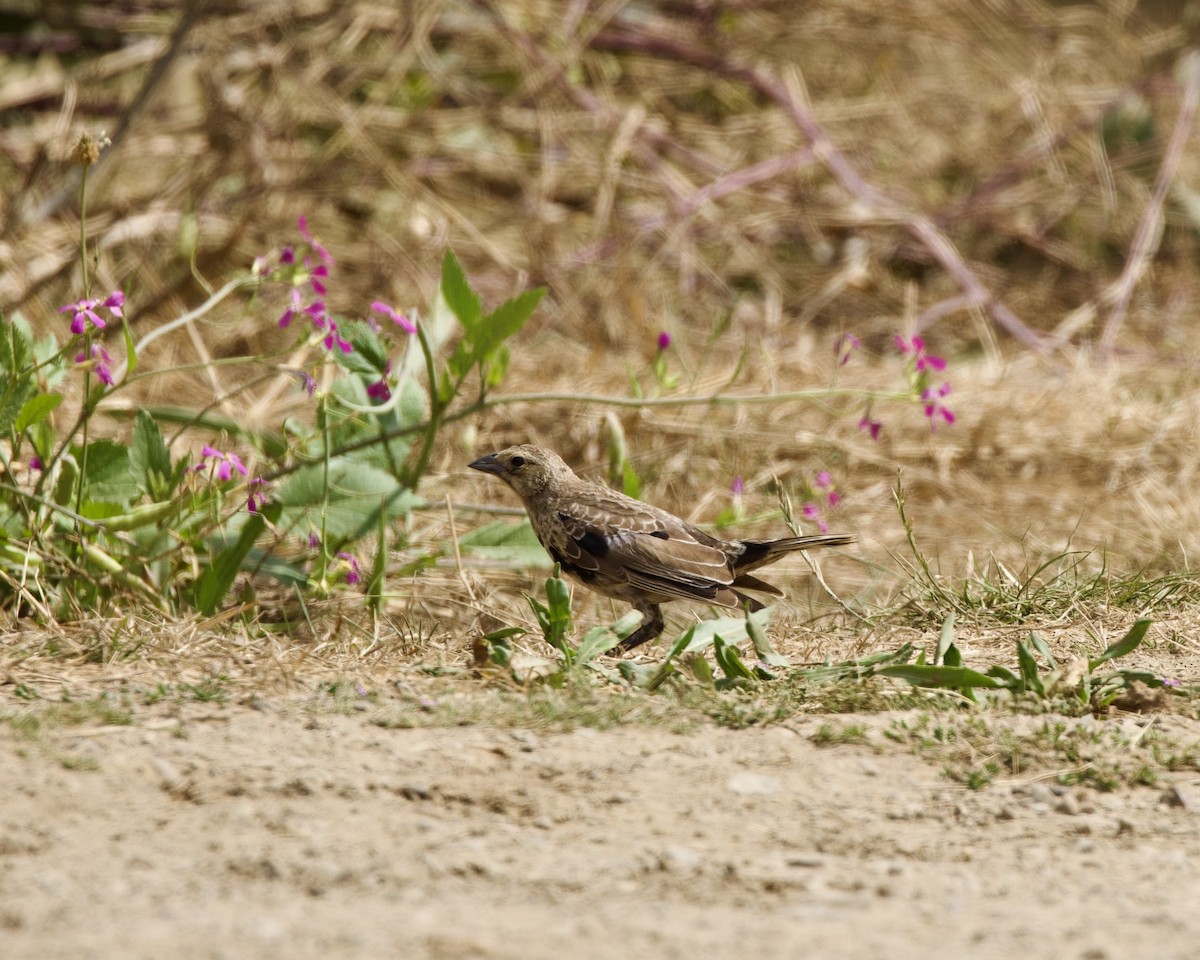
x=600, y=640
x=357, y=493
x=131, y=360
x=1006, y=677
x=1127, y=644
x=945, y=639
x=109, y=475
x=35, y=410
x=762, y=646
x=730, y=660
x=505, y=321
x=377, y=583
x=931, y=676
x=370, y=353
x=554, y=616
x=148, y=454
x=1043, y=648
x=732, y=629
x=1030, y=679
x=650, y=677
x=503, y=541
x=16, y=345
x=218, y=576
x=459, y=296
x=13, y=392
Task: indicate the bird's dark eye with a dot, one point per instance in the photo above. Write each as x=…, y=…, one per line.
x=517, y=462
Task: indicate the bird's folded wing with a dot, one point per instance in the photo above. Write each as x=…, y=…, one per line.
x=660, y=557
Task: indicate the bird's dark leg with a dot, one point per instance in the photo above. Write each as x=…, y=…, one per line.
x=652, y=626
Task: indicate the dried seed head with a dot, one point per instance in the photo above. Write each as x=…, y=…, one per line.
x=87, y=148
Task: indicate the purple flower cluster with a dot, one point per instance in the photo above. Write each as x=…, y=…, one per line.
x=924, y=365
x=85, y=315
x=309, y=270
x=821, y=489
x=224, y=466
x=100, y=361
x=223, y=463
x=399, y=319
x=85, y=318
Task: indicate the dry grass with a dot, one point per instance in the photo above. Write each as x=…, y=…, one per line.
x=624, y=158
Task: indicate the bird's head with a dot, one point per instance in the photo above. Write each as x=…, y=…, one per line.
x=525, y=468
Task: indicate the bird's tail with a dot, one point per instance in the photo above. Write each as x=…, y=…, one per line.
x=758, y=553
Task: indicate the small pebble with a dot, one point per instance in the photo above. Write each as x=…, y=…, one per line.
x=1068, y=805
x=747, y=784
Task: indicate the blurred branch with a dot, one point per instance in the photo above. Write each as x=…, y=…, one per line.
x=1149, y=232
x=875, y=204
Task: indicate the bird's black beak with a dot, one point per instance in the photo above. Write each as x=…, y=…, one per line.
x=488, y=464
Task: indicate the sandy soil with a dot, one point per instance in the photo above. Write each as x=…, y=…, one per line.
x=272, y=830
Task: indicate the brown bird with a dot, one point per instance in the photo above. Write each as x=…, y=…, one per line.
x=630, y=550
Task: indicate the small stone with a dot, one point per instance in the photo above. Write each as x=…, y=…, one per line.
x=170, y=777
x=416, y=791
x=1040, y=793
x=1125, y=825
x=810, y=860
x=677, y=859
x=747, y=784
x=543, y=823
x=526, y=738
x=1005, y=813
x=1183, y=797
x=1068, y=805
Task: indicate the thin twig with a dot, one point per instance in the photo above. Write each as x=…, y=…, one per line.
x=1149, y=232
x=873, y=202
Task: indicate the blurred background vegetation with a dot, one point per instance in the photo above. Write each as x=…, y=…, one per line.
x=753, y=176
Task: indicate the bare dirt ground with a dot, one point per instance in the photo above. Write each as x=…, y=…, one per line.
x=571, y=148
x=269, y=830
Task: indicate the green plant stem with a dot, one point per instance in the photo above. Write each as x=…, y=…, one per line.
x=436, y=410
x=489, y=402
x=83, y=255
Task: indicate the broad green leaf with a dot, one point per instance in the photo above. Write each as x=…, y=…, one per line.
x=952, y=656
x=459, y=296
x=357, y=493
x=36, y=409
x=218, y=576
x=599, y=640
x=508, y=542
x=1127, y=644
x=100, y=510
x=108, y=474
x=732, y=629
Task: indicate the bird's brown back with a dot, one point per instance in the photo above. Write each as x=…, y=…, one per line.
x=628, y=549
